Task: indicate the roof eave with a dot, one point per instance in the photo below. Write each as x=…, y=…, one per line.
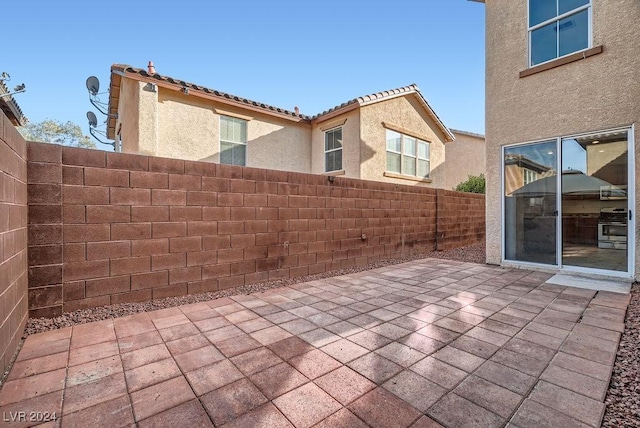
x=363, y=101
x=120, y=71
x=114, y=99
x=448, y=135
x=10, y=107
x=335, y=113
x=12, y=113
x=470, y=134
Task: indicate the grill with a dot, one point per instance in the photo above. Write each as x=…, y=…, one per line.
x=612, y=228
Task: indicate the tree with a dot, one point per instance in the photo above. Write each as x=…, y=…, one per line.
x=54, y=131
x=474, y=184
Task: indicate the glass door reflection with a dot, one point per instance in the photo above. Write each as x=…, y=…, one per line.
x=530, y=203
x=594, y=201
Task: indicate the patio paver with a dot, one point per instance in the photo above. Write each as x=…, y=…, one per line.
x=307, y=405
x=113, y=413
x=189, y=414
x=345, y=385
x=426, y=343
x=278, y=380
x=381, y=409
x=230, y=401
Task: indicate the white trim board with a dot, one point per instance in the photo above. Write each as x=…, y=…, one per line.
x=615, y=286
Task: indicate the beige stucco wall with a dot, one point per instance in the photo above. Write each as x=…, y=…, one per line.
x=187, y=127
x=350, y=122
x=464, y=156
x=281, y=145
x=596, y=93
x=149, y=124
x=407, y=113
x=171, y=124
x=128, y=115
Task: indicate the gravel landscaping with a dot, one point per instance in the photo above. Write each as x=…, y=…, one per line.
x=623, y=397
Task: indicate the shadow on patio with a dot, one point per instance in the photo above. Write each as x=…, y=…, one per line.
x=419, y=344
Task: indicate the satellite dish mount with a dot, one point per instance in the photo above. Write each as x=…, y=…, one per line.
x=93, y=122
x=93, y=86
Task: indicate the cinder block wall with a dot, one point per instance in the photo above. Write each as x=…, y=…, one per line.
x=13, y=239
x=461, y=219
x=108, y=228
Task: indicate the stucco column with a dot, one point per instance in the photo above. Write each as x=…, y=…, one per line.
x=148, y=119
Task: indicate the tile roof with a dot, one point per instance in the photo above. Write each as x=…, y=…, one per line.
x=143, y=73
x=119, y=70
x=10, y=107
x=366, y=99
x=385, y=95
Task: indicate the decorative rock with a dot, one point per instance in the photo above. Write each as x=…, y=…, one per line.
x=623, y=397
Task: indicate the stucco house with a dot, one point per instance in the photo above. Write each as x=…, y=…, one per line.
x=464, y=156
x=392, y=136
x=562, y=122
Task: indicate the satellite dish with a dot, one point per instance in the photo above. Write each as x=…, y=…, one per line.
x=93, y=85
x=93, y=120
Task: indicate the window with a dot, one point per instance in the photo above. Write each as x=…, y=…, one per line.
x=529, y=176
x=407, y=155
x=333, y=150
x=233, y=141
x=558, y=28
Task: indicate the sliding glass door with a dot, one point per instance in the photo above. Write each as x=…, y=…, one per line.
x=595, y=211
x=579, y=219
x=530, y=203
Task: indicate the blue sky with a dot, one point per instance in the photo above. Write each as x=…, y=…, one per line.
x=311, y=54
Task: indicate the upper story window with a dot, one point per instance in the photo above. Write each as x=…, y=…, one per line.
x=407, y=155
x=333, y=150
x=233, y=141
x=529, y=176
x=558, y=28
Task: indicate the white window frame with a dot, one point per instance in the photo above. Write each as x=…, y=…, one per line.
x=220, y=140
x=558, y=18
x=333, y=150
x=529, y=176
x=386, y=143
x=413, y=156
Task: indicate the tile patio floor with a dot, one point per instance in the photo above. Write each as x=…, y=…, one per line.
x=414, y=345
